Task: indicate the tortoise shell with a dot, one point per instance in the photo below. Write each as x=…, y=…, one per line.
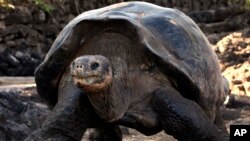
x=184, y=54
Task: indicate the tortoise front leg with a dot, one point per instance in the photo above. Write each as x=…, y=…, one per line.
x=69, y=118
x=183, y=118
x=106, y=132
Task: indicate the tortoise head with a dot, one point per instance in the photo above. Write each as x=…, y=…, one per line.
x=91, y=72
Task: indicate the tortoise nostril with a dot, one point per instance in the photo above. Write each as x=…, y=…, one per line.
x=94, y=66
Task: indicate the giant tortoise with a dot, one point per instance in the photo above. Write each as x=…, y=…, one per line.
x=133, y=64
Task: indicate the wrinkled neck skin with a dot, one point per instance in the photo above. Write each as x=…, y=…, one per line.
x=110, y=103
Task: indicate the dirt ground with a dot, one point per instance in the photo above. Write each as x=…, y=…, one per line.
x=233, y=51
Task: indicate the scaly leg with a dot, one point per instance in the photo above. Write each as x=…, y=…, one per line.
x=183, y=118
x=69, y=118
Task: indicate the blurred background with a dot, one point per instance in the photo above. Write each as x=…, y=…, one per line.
x=29, y=27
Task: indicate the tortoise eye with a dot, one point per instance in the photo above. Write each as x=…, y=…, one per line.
x=94, y=66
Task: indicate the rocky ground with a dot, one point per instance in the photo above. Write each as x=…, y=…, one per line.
x=233, y=51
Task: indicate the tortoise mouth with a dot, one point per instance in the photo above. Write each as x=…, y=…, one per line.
x=88, y=80
x=92, y=82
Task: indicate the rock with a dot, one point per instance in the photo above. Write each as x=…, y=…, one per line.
x=2, y=25
x=237, y=82
x=15, y=29
x=27, y=56
x=42, y=49
x=33, y=38
x=34, y=60
x=2, y=48
x=215, y=38
x=9, y=37
x=4, y=112
x=11, y=44
x=34, y=117
x=20, y=62
x=19, y=42
x=215, y=15
x=248, y=76
x=71, y=17
x=16, y=131
x=247, y=88
x=21, y=15
x=19, y=114
x=19, y=55
x=246, y=33
x=13, y=60
x=221, y=45
x=17, y=2
x=242, y=44
x=219, y=27
x=51, y=30
x=2, y=16
x=39, y=16
x=236, y=101
x=36, y=55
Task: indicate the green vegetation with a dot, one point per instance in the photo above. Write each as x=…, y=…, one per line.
x=247, y=4
x=44, y=6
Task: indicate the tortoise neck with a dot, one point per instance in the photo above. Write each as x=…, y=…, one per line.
x=111, y=103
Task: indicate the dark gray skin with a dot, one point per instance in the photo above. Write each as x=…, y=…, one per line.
x=121, y=73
